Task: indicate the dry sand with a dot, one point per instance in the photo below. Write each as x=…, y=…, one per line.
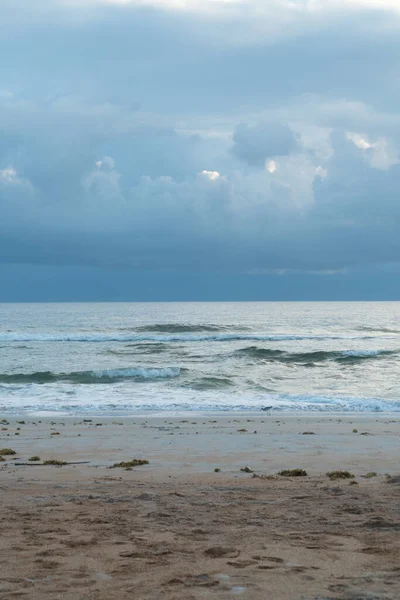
x=175, y=529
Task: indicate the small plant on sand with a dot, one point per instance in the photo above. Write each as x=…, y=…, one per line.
x=135, y=462
x=308, y=433
x=355, y=430
x=370, y=475
x=333, y=475
x=242, y=430
x=2, y=459
x=21, y=422
x=217, y=470
x=7, y=452
x=56, y=463
x=293, y=473
x=353, y=482
x=34, y=458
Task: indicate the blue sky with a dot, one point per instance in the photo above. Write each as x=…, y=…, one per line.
x=187, y=149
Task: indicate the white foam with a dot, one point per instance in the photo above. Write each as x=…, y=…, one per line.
x=121, y=398
x=362, y=353
x=144, y=373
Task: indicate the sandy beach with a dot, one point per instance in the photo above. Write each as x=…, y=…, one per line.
x=208, y=516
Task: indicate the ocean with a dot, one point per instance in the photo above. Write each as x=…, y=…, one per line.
x=124, y=358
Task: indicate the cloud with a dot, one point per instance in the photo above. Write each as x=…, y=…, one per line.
x=257, y=143
x=244, y=136
x=211, y=175
x=8, y=175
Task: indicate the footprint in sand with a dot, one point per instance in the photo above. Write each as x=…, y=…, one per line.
x=220, y=551
x=241, y=564
x=202, y=580
x=273, y=559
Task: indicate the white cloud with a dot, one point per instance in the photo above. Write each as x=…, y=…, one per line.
x=359, y=141
x=102, y=184
x=9, y=174
x=380, y=153
x=106, y=163
x=10, y=179
x=321, y=171
x=211, y=175
x=271, y=166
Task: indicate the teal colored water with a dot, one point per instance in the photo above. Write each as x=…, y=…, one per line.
x=122, y=358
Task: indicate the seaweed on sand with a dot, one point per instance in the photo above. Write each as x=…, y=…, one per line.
x=333, y=475
x=7, y=452
x=135, y=462
x=293, y=473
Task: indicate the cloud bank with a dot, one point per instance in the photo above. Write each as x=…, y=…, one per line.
x=242, y=136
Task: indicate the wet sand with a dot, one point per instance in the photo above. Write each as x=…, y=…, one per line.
x=176, y=529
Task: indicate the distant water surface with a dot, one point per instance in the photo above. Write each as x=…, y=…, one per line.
x=129, y=357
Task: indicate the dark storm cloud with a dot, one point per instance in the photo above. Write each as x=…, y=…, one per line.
x=156, y=138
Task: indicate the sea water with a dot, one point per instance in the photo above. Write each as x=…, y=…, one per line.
x=122, y=358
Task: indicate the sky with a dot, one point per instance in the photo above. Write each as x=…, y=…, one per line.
x=199, y=150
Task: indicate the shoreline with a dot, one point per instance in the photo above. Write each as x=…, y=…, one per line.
x=202, y=442
x=159, y=413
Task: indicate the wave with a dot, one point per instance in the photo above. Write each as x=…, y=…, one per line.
x=187, y=328
x=350, y=356
x=141, y=348
x=347, y=356
x=377, y=329
x=92, y=377
x=221, y=337
x=209, y=383
x=22, y=347
x=261, y=353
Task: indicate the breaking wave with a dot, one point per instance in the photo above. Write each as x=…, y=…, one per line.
x=346, y=356
x=219, y=401
x=92, y=377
